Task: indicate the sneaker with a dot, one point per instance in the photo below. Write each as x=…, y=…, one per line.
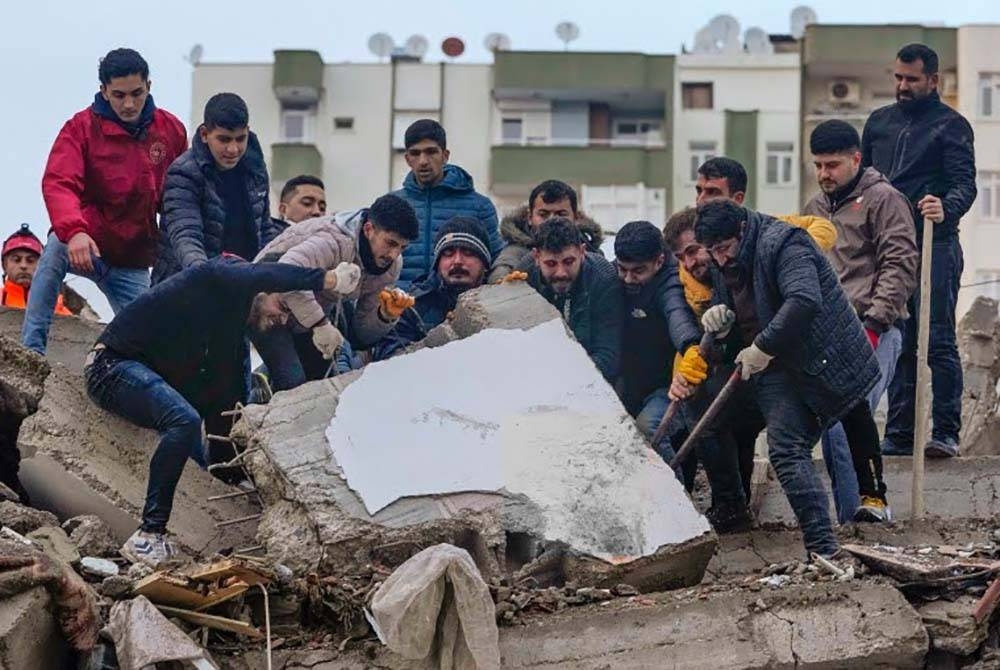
x=730, y=518
x=890, y=448
x=941, y=448
x=873, y=510
x=150, y=549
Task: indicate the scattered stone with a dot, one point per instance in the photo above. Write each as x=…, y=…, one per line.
x=624, y=590
x=594, y=595
x=98, y=567
x=951, y=625
x=138, y=571
x=91, y=536
x=56, y=544
x=25, y=519
x=115, y=587
x=7, y=494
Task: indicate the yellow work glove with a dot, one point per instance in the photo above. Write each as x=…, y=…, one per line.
x=393, y=303
x=516, y=275
x=693, y=367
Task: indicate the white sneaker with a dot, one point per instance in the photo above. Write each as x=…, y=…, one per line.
x=150, y=549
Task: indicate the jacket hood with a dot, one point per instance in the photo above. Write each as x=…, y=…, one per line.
x=102, y=108
x=869, y=178
x=515, y=229
x=252, y=161
x=455, y=179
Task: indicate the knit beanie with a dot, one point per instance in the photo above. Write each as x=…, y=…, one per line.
x=465, y=232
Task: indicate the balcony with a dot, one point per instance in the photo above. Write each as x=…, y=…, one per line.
x=516, y=72
x=292, y=159
x=298, y=77
x=859, y=45
x=516, y=167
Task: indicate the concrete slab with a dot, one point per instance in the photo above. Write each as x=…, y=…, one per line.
x=29, y=634
x=70, y=338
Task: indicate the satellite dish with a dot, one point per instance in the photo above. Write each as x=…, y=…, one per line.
x=194, y=56
x=497, y=42
x=725, y=33
x=567, y=31
x=758, y=41
x=381, y=45
x=416, y=46
x=801, y=17
x=703, y=42
x=453, y=47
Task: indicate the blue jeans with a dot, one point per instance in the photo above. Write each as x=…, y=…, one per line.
x=942, y=355
x=648, y=419
x=291, y=359
x=134, y=392
x=837, y=453
x=120, y=285
x=792, y=430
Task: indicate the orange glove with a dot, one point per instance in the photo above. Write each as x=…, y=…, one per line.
x=693, y=368
x=516, y=275
x=393, y=303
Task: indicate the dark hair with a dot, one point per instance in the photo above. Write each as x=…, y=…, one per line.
x=392, y=213
x=834, y=137
x=556, y=234
x=302, y=180
x=122, y=63
x=553, y=190
x=638, y=241
x=721, y=167
x=914, y=52
x=718, y=220
x=226, y=110
x=425, y=129
x=679, y=223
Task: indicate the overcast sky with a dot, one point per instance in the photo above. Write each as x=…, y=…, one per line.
x=50, y=48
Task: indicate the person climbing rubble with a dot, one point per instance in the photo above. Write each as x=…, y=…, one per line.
x=174, y=358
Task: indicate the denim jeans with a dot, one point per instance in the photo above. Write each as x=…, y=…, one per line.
x=792, y=430
x=836, y=451
x=291, y=359
x=134, y=392
x=942, y=355
x=120, y=285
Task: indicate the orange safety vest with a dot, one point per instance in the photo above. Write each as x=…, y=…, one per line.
x=15, y=296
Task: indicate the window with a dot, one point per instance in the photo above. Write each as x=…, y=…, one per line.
x=297, y=125
x=700, y=152
x=697, y=95
x=343, y=123
x=989, y=195
x=780, y=158
x=401, y=121
x=638, y=131
x=987, y=283
x=989, y=94
x=512, y=130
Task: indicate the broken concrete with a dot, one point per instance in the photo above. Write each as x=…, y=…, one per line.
x=952, y=627
x=979, y=344
x=24, y=519
x=29, y=634
x=91, y=536
x=314, y=520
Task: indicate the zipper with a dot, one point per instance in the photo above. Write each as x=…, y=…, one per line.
x=899, y=151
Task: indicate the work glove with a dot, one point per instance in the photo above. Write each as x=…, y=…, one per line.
x=516, y=275
x=348, y=277
x=393, y=303
x=692, y=367
x=327, y=339
x=718, y=320
x=752, y=360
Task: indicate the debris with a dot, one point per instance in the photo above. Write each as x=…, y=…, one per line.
x=775, y=581
x=98, y=567
x=214, y=622
x=144, y=637
x=56, y=544
x=828, y=566
x=7, y=494
x=91, y=536
x=979, y=343
x=200, y=588
x=952, y=626
x=25, y=519
x=988, y=603
x=115, y=587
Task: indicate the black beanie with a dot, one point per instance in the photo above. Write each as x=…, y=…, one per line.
x=465, y=232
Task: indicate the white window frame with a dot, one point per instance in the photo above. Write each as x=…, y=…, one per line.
x=988, y=198
x=648, y=132
x=988, y=89
x=783, y=155
x=700, y=151
x=512, y=118
x=308, y=117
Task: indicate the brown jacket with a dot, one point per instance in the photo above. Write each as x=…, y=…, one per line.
x=875, y=255
x=325, y=242
x=517, y=236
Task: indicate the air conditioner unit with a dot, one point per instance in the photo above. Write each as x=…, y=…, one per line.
x=844, y=92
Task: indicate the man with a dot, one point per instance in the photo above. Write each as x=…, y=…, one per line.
x=364, y=248
x=801, y=346
x=216, y=196
x=461, y=257
x=173, y=359
x=875, y=258
x=548, y=199
x=583, y=286
x=925, y=149
x=658, y=324
x=102, y=188
x=302, y=197
x=438, y=191
x=19, y=259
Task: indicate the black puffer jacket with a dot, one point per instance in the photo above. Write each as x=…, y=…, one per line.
x=271, y=229
x=806, y=321
x=193, y=220
x=924, y=150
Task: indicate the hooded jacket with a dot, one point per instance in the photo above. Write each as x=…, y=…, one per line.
x=876, y=255
x=515, y=229
x=324, y=242
x=108, y=183
x=194, y=217
x=455, y=195
x=924, y=149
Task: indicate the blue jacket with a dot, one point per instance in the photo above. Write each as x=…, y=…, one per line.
x=433, y=302
x=806, y=321
x=193, y=221
x=455, y=195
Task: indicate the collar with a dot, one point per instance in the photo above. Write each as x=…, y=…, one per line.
x=838, y=197
x=367, y=257
x=137, y=130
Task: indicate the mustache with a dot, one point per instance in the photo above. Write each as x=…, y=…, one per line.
x=458, y=271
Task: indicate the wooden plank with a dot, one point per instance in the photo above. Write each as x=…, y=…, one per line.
x=231, y=568
x=214, y=622
x=164, y=589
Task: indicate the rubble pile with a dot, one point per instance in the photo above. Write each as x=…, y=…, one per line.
x=979, y=344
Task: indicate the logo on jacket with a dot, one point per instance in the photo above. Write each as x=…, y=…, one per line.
x=157, y=152
x=638, y=313
x=857, y=203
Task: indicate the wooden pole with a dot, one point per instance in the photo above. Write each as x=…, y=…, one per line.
x=921, y=425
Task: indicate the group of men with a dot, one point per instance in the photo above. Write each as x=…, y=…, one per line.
x=814, y=313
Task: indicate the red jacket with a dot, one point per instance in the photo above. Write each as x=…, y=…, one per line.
x=102, y=181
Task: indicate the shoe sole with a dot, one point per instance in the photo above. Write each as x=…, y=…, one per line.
x=938, y=452
x=869, y=516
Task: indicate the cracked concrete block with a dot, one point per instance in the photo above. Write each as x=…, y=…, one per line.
x=29, y=634
x=951, y=625
x=979, y=345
